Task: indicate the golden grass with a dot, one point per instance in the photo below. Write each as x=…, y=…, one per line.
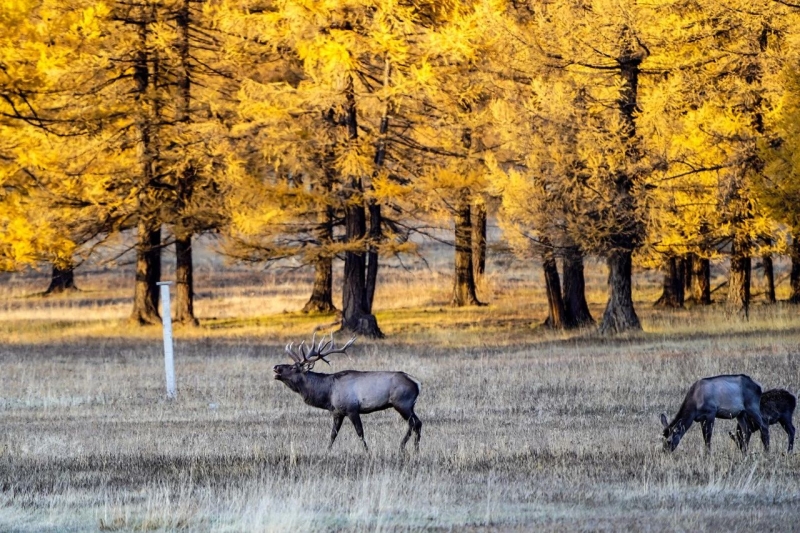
x=524, y=428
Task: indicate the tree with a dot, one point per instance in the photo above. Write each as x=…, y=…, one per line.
x=778, y=187
x=747, y=45
x=37, y=41
x=362, y=103
x=593, y=110
x=479, y=238
x=128, y=112
x=673, y=293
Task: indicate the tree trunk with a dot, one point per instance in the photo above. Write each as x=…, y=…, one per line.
x=620, y=315
x=183, y=226
x=62, y=280
x=739, y=280
x=672, y=294
x=355, y=318
x=701, y=284
x=321, y=300
x=769, y=277
x=184, y=283
x=479, y=239
x=148, y=273
x=464, y=292
x=558, y=316
x=687, y=263
x=574, y=288
x=372, y=254
x=148, y=244
x=794, y=276
x=375, y=232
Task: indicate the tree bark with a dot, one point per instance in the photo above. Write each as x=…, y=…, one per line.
x=558, y=316
x=148, y=244
x=464, y=292
x=62, y=280
x=321, y=300
x=701, y=284
x=620, y=315
x=355, y=318
x=769, y=277
x=184, y=282
x=672, y=294
x=372, y=254
x=794, y=275
x=687, y=262
x=739, y=279
x=479, y=239
x=148, y=273
x=184, y=268
x=574, y=288
x=375, y=232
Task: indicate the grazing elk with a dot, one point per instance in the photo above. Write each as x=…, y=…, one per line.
x=349, y=393
x=777, y=407
x=735, y=396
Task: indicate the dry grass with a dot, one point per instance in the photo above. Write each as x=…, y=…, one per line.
x=524, y=429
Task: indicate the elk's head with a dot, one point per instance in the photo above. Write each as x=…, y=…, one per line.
x=304, y=358
x=672, y=435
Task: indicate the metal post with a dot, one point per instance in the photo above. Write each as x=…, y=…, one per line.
x=166, y=320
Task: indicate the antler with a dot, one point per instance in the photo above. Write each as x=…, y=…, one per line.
x=316, y=352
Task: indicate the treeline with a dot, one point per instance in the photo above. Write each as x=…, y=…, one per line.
x=663, y=134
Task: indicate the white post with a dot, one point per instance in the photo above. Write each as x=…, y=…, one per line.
x=166, y=320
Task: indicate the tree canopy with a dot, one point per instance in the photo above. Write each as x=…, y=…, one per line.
x=639, y=132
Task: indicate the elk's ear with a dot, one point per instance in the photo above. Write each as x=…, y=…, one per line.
x=664, y=420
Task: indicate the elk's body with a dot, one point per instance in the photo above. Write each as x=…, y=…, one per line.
x=726, y=396
x=777, y=407
x=351, y=393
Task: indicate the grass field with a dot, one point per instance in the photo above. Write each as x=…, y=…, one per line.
x=524, y=429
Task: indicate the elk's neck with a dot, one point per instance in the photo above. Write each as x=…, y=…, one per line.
x=315, y=388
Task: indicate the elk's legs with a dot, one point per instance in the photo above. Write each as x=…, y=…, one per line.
x=417, y=429
x=708, y=428
x=743, y=432
x=789, y=428
x=414, y=425
x=356, y=420
x=337, y=425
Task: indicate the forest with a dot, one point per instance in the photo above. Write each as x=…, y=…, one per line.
x=662, y=135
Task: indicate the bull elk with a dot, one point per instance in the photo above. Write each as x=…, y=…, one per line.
x=349, y=393
x=735, y=396
x=777, y=407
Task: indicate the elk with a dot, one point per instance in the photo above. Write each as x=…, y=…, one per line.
x=349, y=393
x=777, y=407
x=726, y=396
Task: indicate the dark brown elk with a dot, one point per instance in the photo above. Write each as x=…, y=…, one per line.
x=777, y=407
x=349, y=393
x=727, y=396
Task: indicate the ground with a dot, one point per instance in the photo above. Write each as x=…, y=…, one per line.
x=524, y=429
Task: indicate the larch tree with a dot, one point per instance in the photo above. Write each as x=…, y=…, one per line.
x=778, y=187
x=739, y=51
x=355, y=71
x=135, y=155
x=597, y=56
x=197, y=159
x=453, y=137
x=44, y=217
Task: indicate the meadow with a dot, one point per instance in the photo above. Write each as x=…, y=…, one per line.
x=524, y=428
